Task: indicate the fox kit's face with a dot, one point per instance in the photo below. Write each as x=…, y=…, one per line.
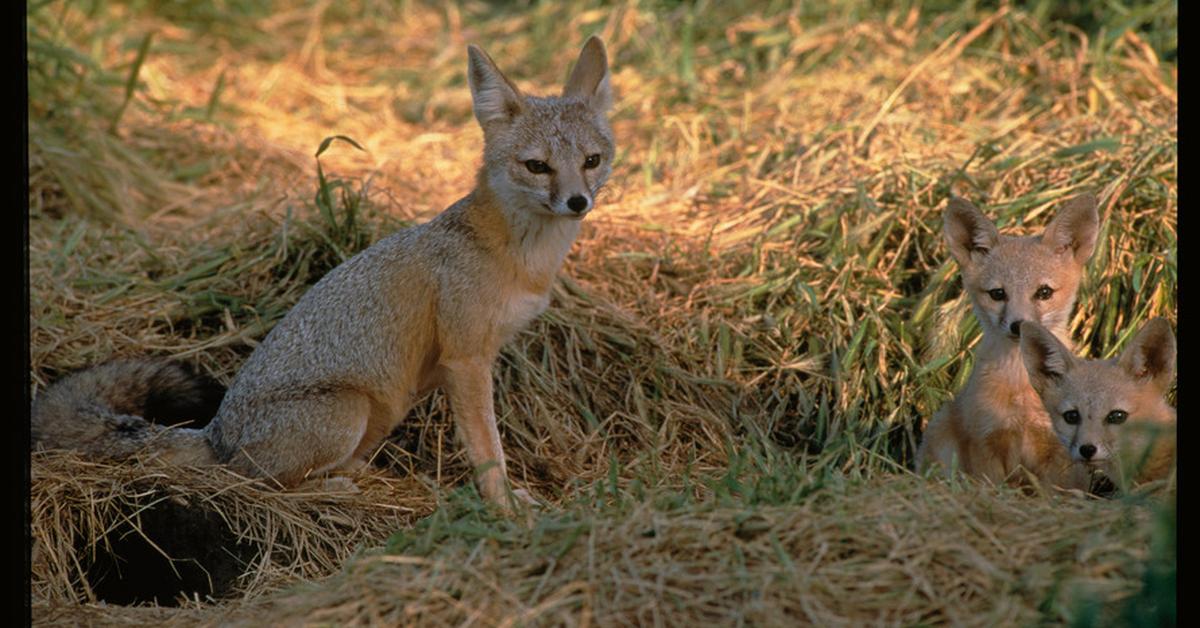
x=1100, y=407
x=1014, y=279
x=546, y=156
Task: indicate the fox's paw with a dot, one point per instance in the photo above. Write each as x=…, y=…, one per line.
x=522, y=497
x=517, y=504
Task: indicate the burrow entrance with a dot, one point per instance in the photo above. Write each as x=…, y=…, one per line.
x=127, y=566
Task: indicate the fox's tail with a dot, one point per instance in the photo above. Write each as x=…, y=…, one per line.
x=121, y=407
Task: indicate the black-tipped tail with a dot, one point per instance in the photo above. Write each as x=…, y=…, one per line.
x=118, y=408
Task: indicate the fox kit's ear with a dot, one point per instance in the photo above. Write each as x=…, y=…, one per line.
x=967, y=231
x=1151, y=354
x=589, y=78
x=495, y=97
x=1046, y=358
x=1074, y=229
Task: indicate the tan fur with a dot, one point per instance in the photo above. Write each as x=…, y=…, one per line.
x=996, y=425
x=1142, y=446
x=429, y=306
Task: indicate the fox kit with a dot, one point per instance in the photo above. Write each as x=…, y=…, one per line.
x=997, y=424
x=426, y=307
x=1110, y=415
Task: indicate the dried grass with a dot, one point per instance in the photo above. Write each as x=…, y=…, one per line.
x=79, y=507
x=897, y=551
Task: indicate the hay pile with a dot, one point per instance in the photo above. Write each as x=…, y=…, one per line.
x=901, y=551
x=228, y=537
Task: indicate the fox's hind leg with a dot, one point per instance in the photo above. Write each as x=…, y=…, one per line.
x=290, y=440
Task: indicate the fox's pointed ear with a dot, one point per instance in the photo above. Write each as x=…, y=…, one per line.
x=1151, y=354
x=495, y=97
x=589, y=78
x=1074, y=228
x=967, y=231
x=1046, y=358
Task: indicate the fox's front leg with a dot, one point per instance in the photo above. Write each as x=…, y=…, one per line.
x=469, y=386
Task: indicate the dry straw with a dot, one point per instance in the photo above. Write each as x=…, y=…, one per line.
x=898, y=551
x=80, y=508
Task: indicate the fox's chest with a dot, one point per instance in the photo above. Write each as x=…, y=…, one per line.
x=1001, y=392
x=517, y=310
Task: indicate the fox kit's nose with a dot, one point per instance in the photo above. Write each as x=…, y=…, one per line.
x=1015, y=328
x=1087, y=451
x=578, y=203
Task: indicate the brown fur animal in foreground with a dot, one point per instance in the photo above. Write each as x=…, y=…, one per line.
x=1111, y=415
x=426, y=307
x=996, y=425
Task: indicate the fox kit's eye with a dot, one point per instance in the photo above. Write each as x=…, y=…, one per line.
x=1044, y=292
x=591, y=162
x=1116, y=417
x=1071, y=417
x=997, y=294
x=537, y=167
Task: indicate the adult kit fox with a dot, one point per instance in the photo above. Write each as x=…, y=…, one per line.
x=427, y=307
x=996, y=425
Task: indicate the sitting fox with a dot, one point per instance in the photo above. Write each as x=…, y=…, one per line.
x=996, y=425
x=1110, y=415
x=426, y=307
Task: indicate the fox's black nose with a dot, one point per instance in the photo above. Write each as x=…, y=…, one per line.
x=577, y=203
x=1087, y=451
x=1015, y=328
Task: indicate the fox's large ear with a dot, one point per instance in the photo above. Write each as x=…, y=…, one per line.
x=1046, y=358
x=1074, y=229
x=967, y=231
x=589, y=78
x=495, y=97
x=1151, y=354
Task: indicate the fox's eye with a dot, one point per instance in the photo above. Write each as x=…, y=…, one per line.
x=1071, y=417
x=1043, y=293
x=591, y=162
x=997, y=294
x=1116, y=417
x=537, y=167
